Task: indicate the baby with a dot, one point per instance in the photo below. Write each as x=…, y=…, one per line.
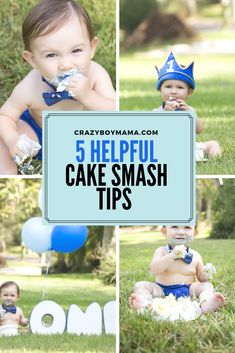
x=11, y=316
x=176, y=84
x=179, y=271
x=59, y=45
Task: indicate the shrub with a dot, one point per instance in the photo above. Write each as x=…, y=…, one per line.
x=223, y=226
x=133, y=12
x=107, y=268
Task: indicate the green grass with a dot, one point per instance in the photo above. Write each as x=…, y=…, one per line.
x=212, y=99
x=82, y=289
x=216, y=35
x=213, y=333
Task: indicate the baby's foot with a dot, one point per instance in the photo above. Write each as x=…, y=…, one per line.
x=213, y=303
x=136, y=301
x=213, y=149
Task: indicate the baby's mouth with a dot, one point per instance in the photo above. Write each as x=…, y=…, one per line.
x=7, y=303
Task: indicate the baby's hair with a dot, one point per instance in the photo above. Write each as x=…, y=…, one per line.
x=49, y=15
x=9, y=284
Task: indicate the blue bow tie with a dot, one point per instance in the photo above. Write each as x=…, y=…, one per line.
x=188, y=258
x=9, y=309
x=51, y=98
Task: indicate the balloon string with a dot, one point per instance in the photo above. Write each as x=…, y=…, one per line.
x=47, y=271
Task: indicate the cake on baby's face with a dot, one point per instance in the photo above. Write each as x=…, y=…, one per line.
x=61, y=81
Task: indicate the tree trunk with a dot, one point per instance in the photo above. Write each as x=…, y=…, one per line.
x=192, y=7
x=233, y=10
x=108, y=234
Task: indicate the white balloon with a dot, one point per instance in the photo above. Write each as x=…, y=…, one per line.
x=37, y=236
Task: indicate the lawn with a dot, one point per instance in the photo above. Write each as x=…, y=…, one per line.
x=212, y=100
x=80, y=289
x=213, y=333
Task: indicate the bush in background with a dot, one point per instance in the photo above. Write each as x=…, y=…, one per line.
x=107, y=269
x=223, y=225
x=133, y=12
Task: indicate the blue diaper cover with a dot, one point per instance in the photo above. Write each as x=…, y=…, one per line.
x=36, y=128
x=178, y=290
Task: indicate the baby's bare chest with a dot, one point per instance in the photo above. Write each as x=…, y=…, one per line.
x=10, y=318
x=180, y=267
x=38, y=104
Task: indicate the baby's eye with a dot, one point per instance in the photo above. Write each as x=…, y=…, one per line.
x=76, y=50
x=51, y=55
x=174, y=227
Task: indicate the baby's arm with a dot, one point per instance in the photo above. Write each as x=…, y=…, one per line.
x=100, y=95
x=183, y=106
x=199, y=126
x=9, y=116
x=161, y=261
x=22, y=320
x=199, y=123
x=200, y=272
x=180, y=104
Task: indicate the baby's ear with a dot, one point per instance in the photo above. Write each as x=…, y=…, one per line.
x=28, y=56
x=190, y=92
x=94, y=44
x=163, y=230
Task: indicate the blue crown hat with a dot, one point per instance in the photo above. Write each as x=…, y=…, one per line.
x=172, y=71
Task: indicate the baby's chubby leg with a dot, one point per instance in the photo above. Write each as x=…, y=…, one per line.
x=7, y=164
x=143, y=293
x=210, y=300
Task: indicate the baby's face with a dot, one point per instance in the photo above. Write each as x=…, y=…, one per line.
x=9, y=296
x=179, y=235
x=68, y=47
x=174, y=89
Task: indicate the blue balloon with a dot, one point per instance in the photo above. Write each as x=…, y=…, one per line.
x=37, y=236
x=68, y=238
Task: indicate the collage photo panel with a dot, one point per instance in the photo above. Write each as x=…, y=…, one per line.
x=117, y=176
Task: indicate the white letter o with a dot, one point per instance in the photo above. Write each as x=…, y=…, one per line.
x=47, y=307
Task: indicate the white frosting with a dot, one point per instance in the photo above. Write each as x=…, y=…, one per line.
x=172, y=309
x=62, y=81
x=209, y=270
x=27, y=147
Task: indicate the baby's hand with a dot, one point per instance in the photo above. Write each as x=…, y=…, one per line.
x=80, y=87
x=182, y=105
x=2, y=313
x=171, y=104
x=24, y=322
x=179, y=251
x=24, y=147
